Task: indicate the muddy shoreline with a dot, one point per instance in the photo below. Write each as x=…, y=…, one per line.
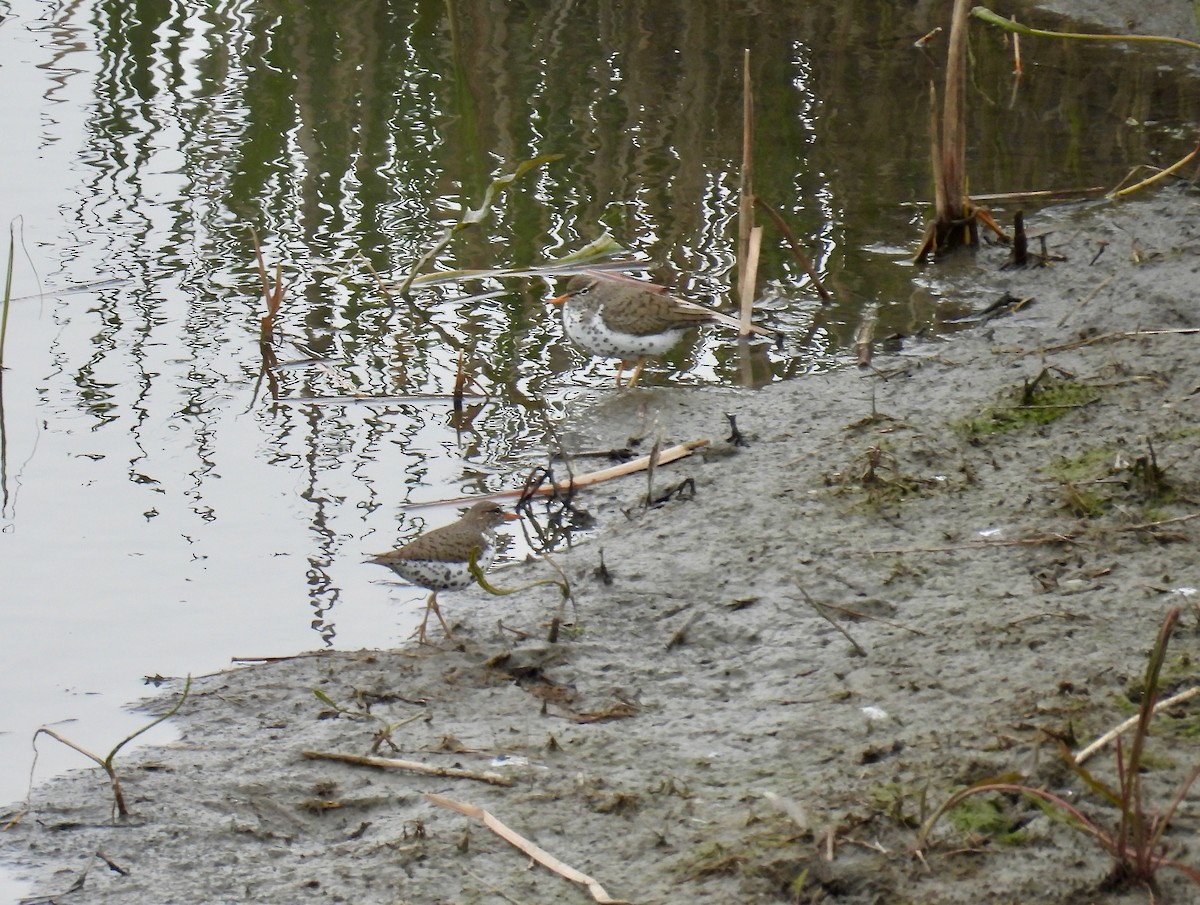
x=701, y=731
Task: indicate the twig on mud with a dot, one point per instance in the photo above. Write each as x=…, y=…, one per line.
x=976, y=545
x=858, y=648
x=389, y=763
x=1103, y=740
x=855, y=614
x=532, y=849
x=270, y=659
x=1087, y=298
x=1030, y=617
x=1111, y=337
x=1149, y=526
x=679, y=636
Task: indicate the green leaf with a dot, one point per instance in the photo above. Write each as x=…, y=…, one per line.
x=325, y=699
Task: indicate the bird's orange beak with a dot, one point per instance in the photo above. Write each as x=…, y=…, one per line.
x=558, y=300
x=510, y=516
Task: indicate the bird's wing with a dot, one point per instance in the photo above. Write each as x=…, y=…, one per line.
x=653, y=312
x=727, y=320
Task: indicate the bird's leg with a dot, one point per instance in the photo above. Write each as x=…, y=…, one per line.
x=637, y=372
x=437, y=612
x=419, y=634
x=431, y=606
x=620, y=371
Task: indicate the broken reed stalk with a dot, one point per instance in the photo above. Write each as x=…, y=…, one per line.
x=935, y=155
x=273, y=297
x=651, y=467
x=575, y=482
x=864, y=338
x=956, y=219
x=390, y=763
x=954, y=124
x=460, y=384
x=531, y=849
x=1113, y=337
x=1018, y=69
x=747, y=270
x=746, y=302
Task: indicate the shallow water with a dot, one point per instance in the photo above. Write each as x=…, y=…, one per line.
x=161, y=514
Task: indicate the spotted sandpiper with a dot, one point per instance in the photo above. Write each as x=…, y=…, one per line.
x=620, y=317
x=440, y=560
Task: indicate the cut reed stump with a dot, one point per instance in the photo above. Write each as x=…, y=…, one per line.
x=956, y=218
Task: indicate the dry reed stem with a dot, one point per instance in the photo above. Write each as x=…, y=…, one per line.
x=1148, y=526
x=531, y=849
x=1112, y=337
x=746, y=302
x=974, y=545
x=364, y=399
x=1039, y=194
x=954, y=119
x=746, y=275
x=855, y=614
x=820, y=610
x=1161, y=174
x=864, y=338
x=566, y=485
x=1103, y=740
x=389, y=763
x=1087, y=298
x=935, y=156
x=651, y=467
x=1018, y=69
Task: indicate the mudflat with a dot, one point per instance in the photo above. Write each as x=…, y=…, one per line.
x=914, y=576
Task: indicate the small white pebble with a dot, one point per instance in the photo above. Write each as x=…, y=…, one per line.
x=505, y=760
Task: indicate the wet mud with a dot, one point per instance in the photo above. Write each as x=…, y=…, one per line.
x=913, y=577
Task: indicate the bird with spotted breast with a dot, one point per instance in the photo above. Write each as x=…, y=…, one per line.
x=440, y=560
x=613, y=316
